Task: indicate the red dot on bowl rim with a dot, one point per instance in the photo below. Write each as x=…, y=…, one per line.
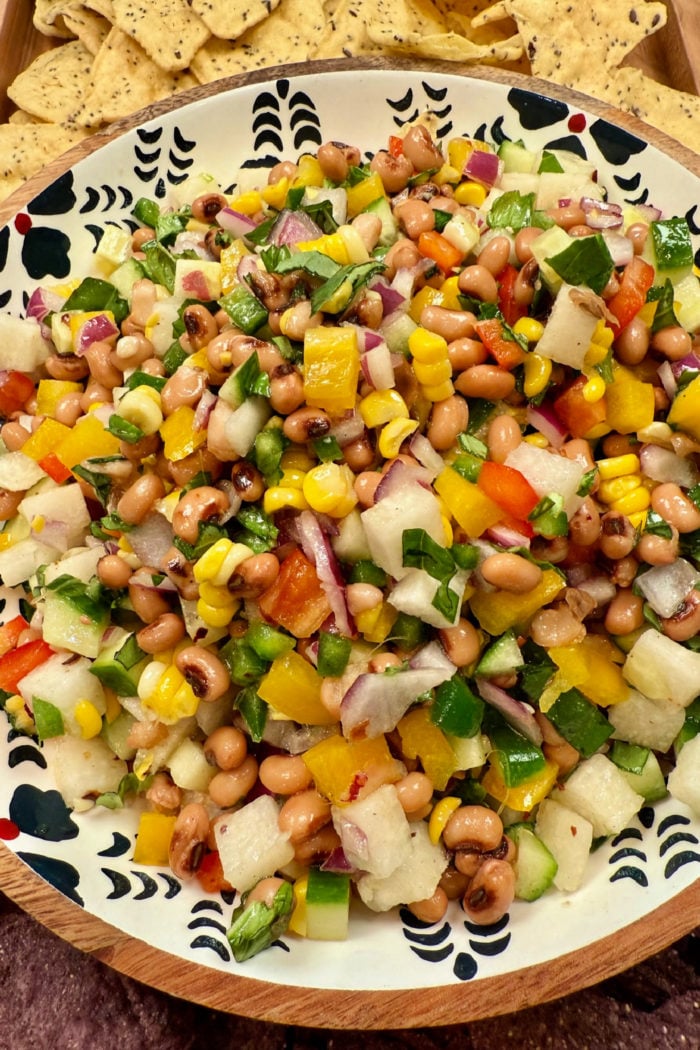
x=23, y=223
x=8, y=829
x=577, y=122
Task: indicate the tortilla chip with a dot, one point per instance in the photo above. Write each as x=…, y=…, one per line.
x=88, y=26
x=102, y=7
x=229, y=19
x=124, y=79
x=293, y=29
x=47, y=19
x=54, y=83
x=27, y=148
x=169, y=32
x=9, y=184
x=20, y=117
x=448, y=47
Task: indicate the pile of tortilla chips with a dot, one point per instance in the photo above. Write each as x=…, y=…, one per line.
x=113, y=57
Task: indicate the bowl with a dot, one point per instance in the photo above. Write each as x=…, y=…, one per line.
x=75, y=872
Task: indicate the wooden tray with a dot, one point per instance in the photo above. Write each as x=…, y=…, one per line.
x=671, y=56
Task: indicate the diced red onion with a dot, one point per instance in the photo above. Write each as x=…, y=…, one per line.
x=43, y=301
x=564, y=202
x=600, y=588
x=204, y=409
x=483, y=167
x=620, y=247
x=691, y=362
x=665, y=586
x=432, y=656
x=377, y=367
x=53, y=533
x=94, y=330
x=337, y=861
x=668, y=380
x=662, y=464
x=247, y=265
x=648, y=212
x=235, y=222
x=348, y=428
x=601, y=215
x=319, y=551
x=151, y=539
x=519, y=715
x=291, y=227
x=234, y=501
x=426, y=455
x=294, y=738
x=369, y=339
x=189, y=241
x=391, y=297
x=507, y=536
x=399, y=476
x=545, y=420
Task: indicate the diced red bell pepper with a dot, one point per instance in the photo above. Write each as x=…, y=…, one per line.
x=296, y=600
x=395, y=146
x=56, y=470
x=15, y=389
x=636, y=280
x=10, y=632
x=432, y=245
x=511, y=310
x=507, y=487
x=507, y=353
x=19, y=662
x=210, y=874
x=578, y=415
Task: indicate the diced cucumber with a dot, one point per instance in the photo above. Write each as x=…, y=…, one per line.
x=501, y=657
x=72, y=619
x=396, y=329
x=115, y=735
x=382, y=209
x=550, y=243
x=686, y=298
x=640, y=768
x=125, y=277
x=568, y=836
x=516, y=157
x=327, y=905
x=580, y=722
x=534, y=865
x=119, y=664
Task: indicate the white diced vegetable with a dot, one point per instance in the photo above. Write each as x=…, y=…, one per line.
x=414, y=596
x=597, y=791
x=568, y=837
x=548, y=472
x=414, y=880
x=64, y=680
x=19, y=472
x=189, y=767
x=663, y=669
x=21, y=560
x=649, y=723
x=83, y=768
x=570, y=327
x=684, y=779
x=64, y=504
x=158, y=757
x=250, y=843
x=80, y=562
x=374, y=831
x=410, y=507
x=350, y=544
x=22, y=346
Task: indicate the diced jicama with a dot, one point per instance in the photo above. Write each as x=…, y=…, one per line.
x=80, y=562
x=684, y=779
x=665, y=586
x=83, y=768
x=64, y=680
x=65, y=504
x=570, y=326
x=19, y=472
x=414, y=880
x=568, y=836
x=415, y=592
x=250, y=843
x=189, y=768
x=663, y=669
x=374, y=831
x=649, y=723
x=598, y=791
x=409, y=505
x=22, y=345
x=548, y=472
x=22, y=559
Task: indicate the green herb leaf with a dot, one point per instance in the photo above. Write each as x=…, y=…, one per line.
x=420, y=551
x=257, y=926
x=244, y=309
x=474, y=445
x=587, y=482
x=160, y=264
x=356, y=275
x=95, y=294
x=664, y=315
x=101, y=483
x=47, y=719
x=327, y=449
x=586, y=261
x=124, y=430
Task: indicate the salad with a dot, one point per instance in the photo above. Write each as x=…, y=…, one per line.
x=356, y=522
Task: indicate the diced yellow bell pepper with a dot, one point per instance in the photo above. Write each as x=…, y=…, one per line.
x=684, y=413
x=297, y=920
x=153, y=838
x=46, y=438
x=276, y=194
x=309, y=172
x=497, y=611
x=422, y=739
x=331, y=368
x=330, y=244
x=342, y=768
x=458, y=152
x=630, y=405
x=248, y=203
x=441, y=813
x=180, y=439
x=87, y=439
x=426, y=296
x=375, y=624
x=50, y=391
x=362, y=194
x=293, y=688
x=591, y=667
x=467, y=504
x=524, y=797
x=231, y=255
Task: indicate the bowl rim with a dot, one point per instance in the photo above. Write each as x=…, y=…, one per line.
x=667, y=145
x=345, y=1008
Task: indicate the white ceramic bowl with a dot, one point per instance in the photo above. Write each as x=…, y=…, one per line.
x=641, y=889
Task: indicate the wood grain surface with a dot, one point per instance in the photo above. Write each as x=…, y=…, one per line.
x=348, y=1009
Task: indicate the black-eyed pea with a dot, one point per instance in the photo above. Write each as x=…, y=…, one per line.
x=393, y=171
x=303, y=814
x=625, y=613
x=306, y=424
x=448, y=419
x=415, y=217
x=673, y=342
x=421, y=151
x=230, y=786
x=485, y=381
x=137, y=502
x=669, y=500
x=196, y=506
x=163, y=633
x=265, y=891
x=450, y=324
x=490, y=893
x=495, y=254
x=414, y=791
x=188, y=840
x=114, y=572
x=473, y=827
x=503, y=437
x=284, y=774
x=147, y=603
x=479, y=282
x=431, y=909
x=9, y=502
x=511, y=572
x=461, y=642
x=226, y=747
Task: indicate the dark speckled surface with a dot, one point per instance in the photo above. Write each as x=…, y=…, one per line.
x=53, y=997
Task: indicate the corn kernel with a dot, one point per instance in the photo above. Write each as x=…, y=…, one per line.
x=293, y=478
x=278, y=497
x=214, y=617
x=376, y=624
x=537, y=371
x=440, y=392
x=297, y=458
x=449, y=531
x=594, y=389
x=428, y=347
x=432, y=374
x=616, y=488
x=88, y=718
x=218, y=597
x=297, y=920
x=618, y=466
x=532, y=330
x=329, y=489
x=218, y=564
x=355, y=246
x=276, y=194
x=450, y=293
x=139, y=407
x=441, y=813
x=470, y=193
x=150, y=676
x=537, y=440
x=638, y=519
x=381, y=406
x=595, y=354
x=633, y=502
x=394, y=434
